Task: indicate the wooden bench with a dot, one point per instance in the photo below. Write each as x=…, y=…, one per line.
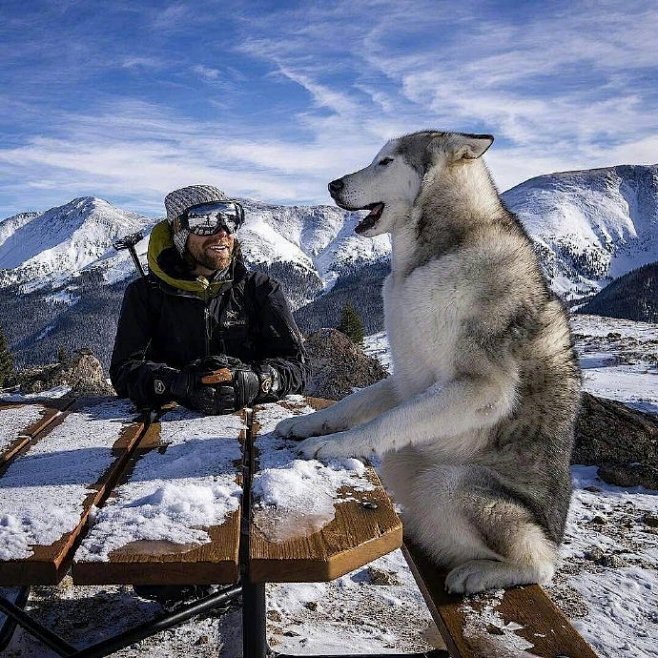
x=521, y=622
x=272, y=534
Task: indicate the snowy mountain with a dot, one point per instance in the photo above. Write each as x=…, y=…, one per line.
x=590, y=226
x=61, y=282
x=49, y=248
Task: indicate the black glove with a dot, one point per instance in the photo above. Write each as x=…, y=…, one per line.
x=251, y=383
x=188, y=389
x=242, y=386
x=186, y=386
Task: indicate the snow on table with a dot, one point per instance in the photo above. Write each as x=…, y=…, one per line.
x=302, y=492
x=16, y=421
x=42, y=493
x=313, y=521
x=174, y=494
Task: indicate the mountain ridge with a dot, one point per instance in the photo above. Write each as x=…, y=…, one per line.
x=586, y=225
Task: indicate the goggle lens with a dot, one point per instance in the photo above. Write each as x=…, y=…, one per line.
x=210, y=218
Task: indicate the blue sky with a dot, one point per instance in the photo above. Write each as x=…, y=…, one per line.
x=271, y=100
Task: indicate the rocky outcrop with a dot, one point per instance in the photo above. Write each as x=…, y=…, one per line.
x=621, y=441
x=338, y=365
x=82, y=371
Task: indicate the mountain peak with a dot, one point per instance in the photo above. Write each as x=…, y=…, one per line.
x=590, y=226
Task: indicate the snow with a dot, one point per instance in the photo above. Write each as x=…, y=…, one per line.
x=622, y=616
x=590, y=226
x=613, y=604
x=65, y=296
x=16, y=420
x=61, y=467
x=302, y=492
x=174, y=493
x=52, y=393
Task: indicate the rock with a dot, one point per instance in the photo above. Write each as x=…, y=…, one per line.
x=311, y=605
x=650, y=520
x=83, y=372
x=612, y=561
x=381, y=577
x=599, y=520
x=338, y=365
x=621, y=441
x=594, y=555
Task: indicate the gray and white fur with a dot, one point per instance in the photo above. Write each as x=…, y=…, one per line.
x=476, y=423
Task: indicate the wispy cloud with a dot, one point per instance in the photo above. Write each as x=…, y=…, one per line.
x=273, y=100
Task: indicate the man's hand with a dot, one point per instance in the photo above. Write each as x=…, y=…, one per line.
x=220, y=385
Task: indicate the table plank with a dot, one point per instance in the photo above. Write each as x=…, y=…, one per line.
x=302, y=530
x=19, y=423
x=521, y=621
x=153, y=529
x=47, y=492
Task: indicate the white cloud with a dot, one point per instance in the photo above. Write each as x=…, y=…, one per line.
x=312, y=92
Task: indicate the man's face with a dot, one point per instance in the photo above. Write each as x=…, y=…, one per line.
x=211, y=252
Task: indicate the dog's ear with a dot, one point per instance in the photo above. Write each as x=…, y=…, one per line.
x=470, y=147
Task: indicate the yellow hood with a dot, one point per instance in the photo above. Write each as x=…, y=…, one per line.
x=161, y=239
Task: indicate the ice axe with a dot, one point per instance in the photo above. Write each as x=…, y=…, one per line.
x=128, y=242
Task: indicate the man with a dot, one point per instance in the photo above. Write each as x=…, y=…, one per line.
x=201, y=329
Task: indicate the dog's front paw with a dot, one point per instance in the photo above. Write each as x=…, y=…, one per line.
x=298, y=427
x=475, y=576
x=341, y=444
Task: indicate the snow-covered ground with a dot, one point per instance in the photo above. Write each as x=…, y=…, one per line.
x=607, y=583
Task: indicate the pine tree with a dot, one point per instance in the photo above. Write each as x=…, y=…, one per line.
x=62, y=354
x=6, y=360
x=351, y=324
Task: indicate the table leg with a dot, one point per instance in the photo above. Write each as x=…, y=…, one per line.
x=9, y=625
x=254, y=640
x=50, y=639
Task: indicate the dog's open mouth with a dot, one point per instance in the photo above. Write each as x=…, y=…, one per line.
x=376, y=210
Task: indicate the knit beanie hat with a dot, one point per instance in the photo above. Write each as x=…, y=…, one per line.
x=178, y=201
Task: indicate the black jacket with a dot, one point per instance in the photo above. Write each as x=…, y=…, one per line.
x=170, y=319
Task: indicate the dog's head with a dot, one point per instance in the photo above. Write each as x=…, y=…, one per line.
x=391, y=183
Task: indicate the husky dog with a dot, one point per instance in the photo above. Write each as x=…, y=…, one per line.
x=476, y=423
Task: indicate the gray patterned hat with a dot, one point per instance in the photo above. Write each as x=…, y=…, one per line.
x=178, y=201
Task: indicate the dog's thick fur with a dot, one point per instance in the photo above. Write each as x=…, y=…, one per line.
x=476, y=423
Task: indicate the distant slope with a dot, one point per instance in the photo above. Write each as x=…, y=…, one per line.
x=633, y=296
x=590, y=226
x=61, y=281
x=53, y=246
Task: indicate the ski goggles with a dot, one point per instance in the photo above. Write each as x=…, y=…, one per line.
x=210, y=218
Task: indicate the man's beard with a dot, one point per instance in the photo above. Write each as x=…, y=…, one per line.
x=214, y=260
x=205, y=256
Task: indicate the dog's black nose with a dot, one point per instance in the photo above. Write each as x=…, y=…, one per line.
x=336, y=186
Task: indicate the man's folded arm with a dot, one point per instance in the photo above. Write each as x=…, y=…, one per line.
x=133, y=375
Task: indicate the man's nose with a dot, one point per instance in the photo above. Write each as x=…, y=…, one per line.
x=336, y=186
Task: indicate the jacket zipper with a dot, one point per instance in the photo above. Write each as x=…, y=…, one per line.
x=206, y=311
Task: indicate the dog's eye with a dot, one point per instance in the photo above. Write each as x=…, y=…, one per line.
x=384, y=161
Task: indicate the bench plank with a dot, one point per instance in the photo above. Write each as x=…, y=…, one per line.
x=18, y=424
x=477, y=626
x=289, y=544
x=64, y=472
x=185, y=464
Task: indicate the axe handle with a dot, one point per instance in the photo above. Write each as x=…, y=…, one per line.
x=221, y=376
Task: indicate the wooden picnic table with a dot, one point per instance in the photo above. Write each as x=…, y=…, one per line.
x=118, y=486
